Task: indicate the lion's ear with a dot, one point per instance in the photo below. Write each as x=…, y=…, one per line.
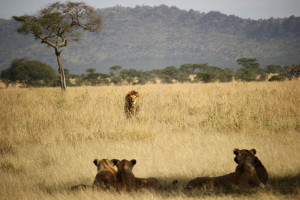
x=96, y=162
x=236, y=151
x=115, y=161
x=253, y=151
x=111, y=162
x=133, y=162
x=255, y=160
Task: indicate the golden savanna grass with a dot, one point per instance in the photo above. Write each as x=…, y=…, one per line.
x=49, y=138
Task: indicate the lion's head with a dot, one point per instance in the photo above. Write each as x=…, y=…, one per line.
x=240, y=155
x=133, y=98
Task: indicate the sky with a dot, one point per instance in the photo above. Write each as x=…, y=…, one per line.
x=253, y=9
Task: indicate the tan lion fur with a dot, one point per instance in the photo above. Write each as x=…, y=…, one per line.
x=261, y=171
x=126, y=180
x=244, y=178
x=132, y=101
x=106, y=175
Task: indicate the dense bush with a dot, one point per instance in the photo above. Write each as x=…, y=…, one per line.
x=29, y=73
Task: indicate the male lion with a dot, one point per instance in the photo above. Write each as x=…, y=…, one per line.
x=125, y=178
x=244, y=178
x=132, y=101
x=261, y=171
x=106, y=176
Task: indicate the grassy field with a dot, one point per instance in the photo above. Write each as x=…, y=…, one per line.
x=49, y=139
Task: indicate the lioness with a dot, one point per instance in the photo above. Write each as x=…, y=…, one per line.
x=261, y=171
x=106, y=175
x=132, y=100
x=125, y=178
x=244, y=178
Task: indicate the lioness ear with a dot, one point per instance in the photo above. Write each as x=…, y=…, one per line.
x=255, y=160
x=236, y=151
x=111, y=162
x=133, y=162
x=253, y=151
x=96, y=162
x=115, y=161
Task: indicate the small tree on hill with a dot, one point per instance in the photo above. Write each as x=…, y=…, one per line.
x=250, y=71
x=59, y=23
x=115, y=70
x=225, y=75
x=206, y=77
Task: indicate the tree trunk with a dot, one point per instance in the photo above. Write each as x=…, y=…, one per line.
x=61, y=71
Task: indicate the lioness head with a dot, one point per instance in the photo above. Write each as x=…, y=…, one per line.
x=124, y=165
x=249, y=163
x=240, y=155
x=105, y=164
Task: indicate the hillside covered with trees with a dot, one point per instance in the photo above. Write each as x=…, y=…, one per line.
x=33, y=73
x=147, y=38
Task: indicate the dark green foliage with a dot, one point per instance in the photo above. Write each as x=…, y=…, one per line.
x=169, y=73
x=116, y=80
x=29, y=73
x=250, y=63
x=250, y=70
x=93, y=78
x=212, y=73
x=291, y=72
x=187, y=69
x=245, y=74
x=274, y=69
x=125, y=73
x=206, y=77
x=276, y=78
x=225, y=75
x=115, y=70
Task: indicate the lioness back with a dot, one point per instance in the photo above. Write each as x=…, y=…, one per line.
x=246, y=177
x=106, y=175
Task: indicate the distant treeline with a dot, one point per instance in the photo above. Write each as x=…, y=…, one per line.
x=33, y=73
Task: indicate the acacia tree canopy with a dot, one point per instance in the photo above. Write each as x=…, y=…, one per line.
x=58, y=23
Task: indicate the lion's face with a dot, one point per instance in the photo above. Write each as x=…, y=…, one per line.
x=132, y=99
x=241, y=155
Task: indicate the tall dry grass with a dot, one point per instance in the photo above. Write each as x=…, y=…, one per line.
x=48, y=139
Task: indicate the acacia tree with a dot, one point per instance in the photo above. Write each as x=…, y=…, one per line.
x=58, y=23
x=250, y=71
